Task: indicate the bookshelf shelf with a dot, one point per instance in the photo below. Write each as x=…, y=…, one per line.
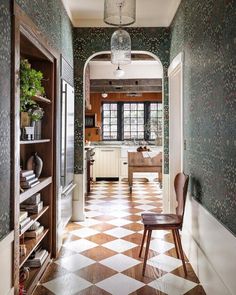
x=34, y=141
x=31, y=191
x=31, y=244
x=34, y=217
x=34, y=276
x=41, y=99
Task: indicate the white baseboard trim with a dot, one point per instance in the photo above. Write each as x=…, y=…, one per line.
x=210, y=248
x=78, y=198
x=6, y=264
x=166, y=193
x=78, y=211
x=11, y=292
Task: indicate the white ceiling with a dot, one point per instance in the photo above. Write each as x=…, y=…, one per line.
x=138, y=69
x=149, y=13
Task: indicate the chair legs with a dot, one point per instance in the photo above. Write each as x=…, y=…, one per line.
x=146, y=251
x=181, y=250
x=143, y=239
x=176, y=245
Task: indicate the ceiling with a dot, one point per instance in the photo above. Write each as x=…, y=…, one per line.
x=149, y=13
x=143, y=74
x=138, y=69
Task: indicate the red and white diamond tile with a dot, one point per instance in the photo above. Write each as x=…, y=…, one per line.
x=100, y=255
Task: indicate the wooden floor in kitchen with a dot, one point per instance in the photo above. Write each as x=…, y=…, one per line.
x=100, y=255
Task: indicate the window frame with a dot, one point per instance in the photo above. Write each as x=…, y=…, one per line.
x=117, y=138
x=120, y=119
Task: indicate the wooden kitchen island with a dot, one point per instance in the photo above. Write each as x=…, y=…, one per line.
x=144, y=162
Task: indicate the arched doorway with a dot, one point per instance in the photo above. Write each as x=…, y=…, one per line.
x=80, y=178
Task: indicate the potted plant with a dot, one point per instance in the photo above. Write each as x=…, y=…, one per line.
x=30, y=85
x=36, y=114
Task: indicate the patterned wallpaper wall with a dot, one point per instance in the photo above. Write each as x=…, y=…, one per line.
x=51, y=18
x=5, y=96
x=88, y=41
x=206, y=32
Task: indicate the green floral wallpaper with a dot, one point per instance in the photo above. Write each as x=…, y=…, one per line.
x=5, y=126
x=51, y=18
x=206, y=32
x=88, y=41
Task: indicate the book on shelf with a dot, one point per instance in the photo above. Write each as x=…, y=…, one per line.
x=32, y=209
x=34, y=200
x=25, y=227
x=26, y=185
x=28, y=177
x=34, y=233
x=38, y=259
x=24, y=222
x=24, y=173
x=34, y=226
x=23, y=215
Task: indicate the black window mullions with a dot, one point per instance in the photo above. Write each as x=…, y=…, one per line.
x=135, y=120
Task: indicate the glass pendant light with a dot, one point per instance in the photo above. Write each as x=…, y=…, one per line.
x=120, y=47
x=112, y=10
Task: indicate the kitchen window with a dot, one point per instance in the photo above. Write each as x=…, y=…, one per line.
x=131, y=120
x=109, y=121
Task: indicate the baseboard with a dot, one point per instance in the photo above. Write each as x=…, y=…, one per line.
x=210, y=248
x=166, y=193
x=78, y=211
x=6, y=264
x=78, y=198
x=11, y=292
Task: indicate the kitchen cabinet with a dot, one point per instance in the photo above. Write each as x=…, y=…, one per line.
x=107, y=160
x=112, y=162
x=123, y=168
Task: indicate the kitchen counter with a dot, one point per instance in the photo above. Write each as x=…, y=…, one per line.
x=118, y=144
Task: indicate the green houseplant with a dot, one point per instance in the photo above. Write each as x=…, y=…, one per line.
x=30, y=85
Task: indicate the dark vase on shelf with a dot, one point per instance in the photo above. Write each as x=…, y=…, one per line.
x=38, y=130
x=35, y=163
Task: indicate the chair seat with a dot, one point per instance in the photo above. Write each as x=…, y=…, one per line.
x=156, y=220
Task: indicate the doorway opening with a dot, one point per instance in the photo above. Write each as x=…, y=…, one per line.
x=124, y=112
x=176, y=142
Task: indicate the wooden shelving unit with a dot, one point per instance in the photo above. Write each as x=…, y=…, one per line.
x=31, y=245
x=32, y=191
x=42, y=57
x=34, y=217
x=34, y=141
x=35, y=275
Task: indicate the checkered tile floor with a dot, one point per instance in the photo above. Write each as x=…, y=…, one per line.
x=100, y=255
